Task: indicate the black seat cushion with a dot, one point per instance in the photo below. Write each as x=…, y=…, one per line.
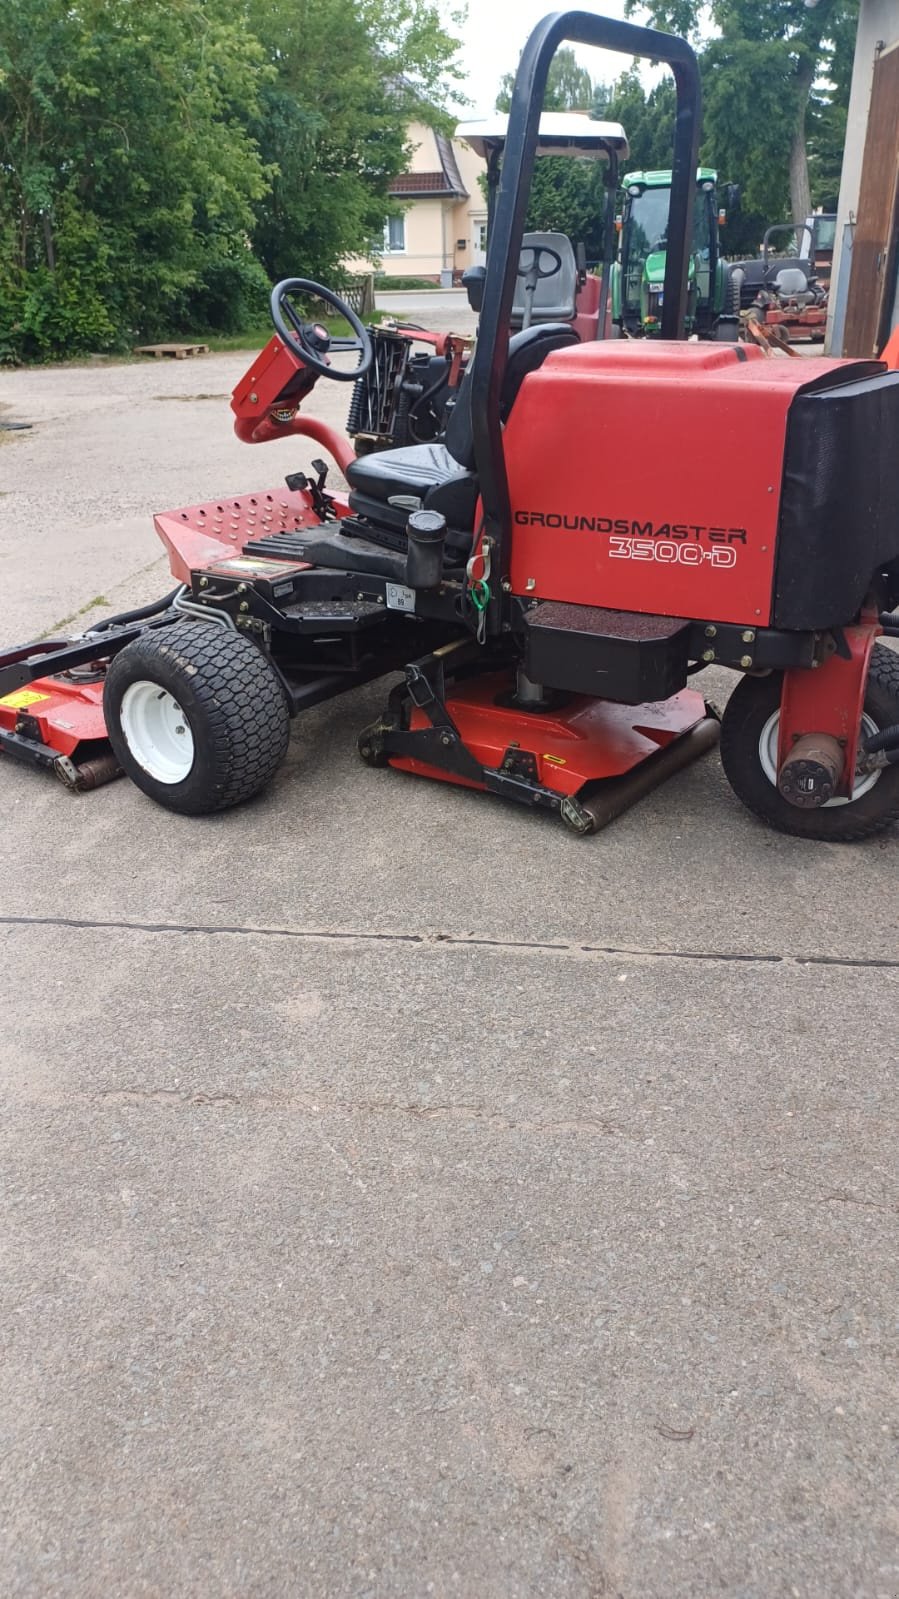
x=411, y=470
x=425, y=473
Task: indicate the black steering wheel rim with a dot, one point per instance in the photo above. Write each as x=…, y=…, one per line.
x=538, y=250
x=296, y=332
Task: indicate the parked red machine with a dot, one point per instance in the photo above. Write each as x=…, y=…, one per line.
x=546, y=589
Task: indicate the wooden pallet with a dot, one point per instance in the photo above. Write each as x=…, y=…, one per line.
x=178, y=352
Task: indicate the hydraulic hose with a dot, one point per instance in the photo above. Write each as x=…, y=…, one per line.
x=138, y=615
x=886, y=739
x=426, y=394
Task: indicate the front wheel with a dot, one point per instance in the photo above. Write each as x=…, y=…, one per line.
x=749, y=735
x=196, y=716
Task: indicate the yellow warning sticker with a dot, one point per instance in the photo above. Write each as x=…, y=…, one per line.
x=21, y=698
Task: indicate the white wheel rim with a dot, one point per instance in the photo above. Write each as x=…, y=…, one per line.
x=768, y=758
x=157, y=732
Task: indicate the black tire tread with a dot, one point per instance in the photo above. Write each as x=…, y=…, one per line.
x=239, y=697
x=848, y=824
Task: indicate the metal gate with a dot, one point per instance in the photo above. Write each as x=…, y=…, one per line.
x=875, y=250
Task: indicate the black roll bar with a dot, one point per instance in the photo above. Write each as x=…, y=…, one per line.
x=507, y=227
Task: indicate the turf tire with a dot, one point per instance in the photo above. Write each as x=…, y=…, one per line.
x=234, y=704
x=753, y=701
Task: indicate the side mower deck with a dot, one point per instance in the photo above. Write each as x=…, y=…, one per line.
x=455, y=716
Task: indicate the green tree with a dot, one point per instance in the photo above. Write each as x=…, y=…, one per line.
x=152, y=151
x=128, y=174
x=647, y=119
x=760, y=74
x=569, y=86
x=347, y=79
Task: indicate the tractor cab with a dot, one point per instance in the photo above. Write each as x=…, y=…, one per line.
x=553, y=283
x=639, y=275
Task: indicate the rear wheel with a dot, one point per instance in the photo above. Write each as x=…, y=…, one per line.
x=749, y=734
x=196, y=716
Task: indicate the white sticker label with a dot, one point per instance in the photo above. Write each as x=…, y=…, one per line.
x=399, y=598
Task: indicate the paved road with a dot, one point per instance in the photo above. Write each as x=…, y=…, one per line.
x=401, y=1197
x=443, y=310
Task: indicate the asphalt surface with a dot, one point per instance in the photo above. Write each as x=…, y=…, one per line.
x=427, y=303
x=400, y=1196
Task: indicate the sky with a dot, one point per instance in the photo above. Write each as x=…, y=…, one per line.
x=496, y=30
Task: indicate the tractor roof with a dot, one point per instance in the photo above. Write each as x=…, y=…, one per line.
x=661, y=179
x=570, y=133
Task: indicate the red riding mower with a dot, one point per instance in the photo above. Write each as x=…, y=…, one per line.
x=786, y=293
x=545, y=588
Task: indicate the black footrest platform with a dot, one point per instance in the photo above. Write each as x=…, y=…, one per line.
x=326, y=546
x=615, y=655
x=339, y=616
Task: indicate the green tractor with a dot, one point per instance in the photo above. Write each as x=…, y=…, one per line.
x=638, y=275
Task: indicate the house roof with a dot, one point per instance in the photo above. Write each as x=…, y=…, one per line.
x=446, y=181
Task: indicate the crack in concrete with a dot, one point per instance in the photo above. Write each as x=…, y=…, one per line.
x=315, y=1105
x=325, y=935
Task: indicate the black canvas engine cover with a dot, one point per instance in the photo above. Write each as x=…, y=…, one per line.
x=839, y=507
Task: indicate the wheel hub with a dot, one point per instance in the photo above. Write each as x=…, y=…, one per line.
x=768, y=741
x=157, y=732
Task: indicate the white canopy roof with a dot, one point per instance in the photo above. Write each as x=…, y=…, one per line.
x=561, y=133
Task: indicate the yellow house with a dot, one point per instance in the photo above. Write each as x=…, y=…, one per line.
x=443, y=225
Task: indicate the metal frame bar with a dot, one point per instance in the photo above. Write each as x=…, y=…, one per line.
x=46, y=658
x=491, y=351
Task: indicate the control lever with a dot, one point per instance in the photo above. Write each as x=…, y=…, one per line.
x=322, y=503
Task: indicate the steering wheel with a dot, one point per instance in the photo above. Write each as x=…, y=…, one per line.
x=311, y=341
x=533, y=272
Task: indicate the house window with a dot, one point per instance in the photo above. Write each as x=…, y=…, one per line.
x=395, y=235
x=480, y=236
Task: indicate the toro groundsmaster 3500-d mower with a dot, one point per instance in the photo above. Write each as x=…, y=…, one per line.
x=545, y=589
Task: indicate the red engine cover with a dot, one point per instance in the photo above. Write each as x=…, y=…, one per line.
x=646, y=476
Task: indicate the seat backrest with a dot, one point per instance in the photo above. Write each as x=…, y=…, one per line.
x=555, y=297
x=527, y=351
x=791, y=280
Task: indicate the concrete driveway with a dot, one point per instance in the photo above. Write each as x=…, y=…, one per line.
x=401, y=1197
x=446, y=310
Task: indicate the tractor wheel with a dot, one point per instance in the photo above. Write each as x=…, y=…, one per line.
x=196, y=716
x=749, y=730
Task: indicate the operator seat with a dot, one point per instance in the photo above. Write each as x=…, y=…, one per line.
x=386, y=485
x=791, y=281
x=555, y=297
